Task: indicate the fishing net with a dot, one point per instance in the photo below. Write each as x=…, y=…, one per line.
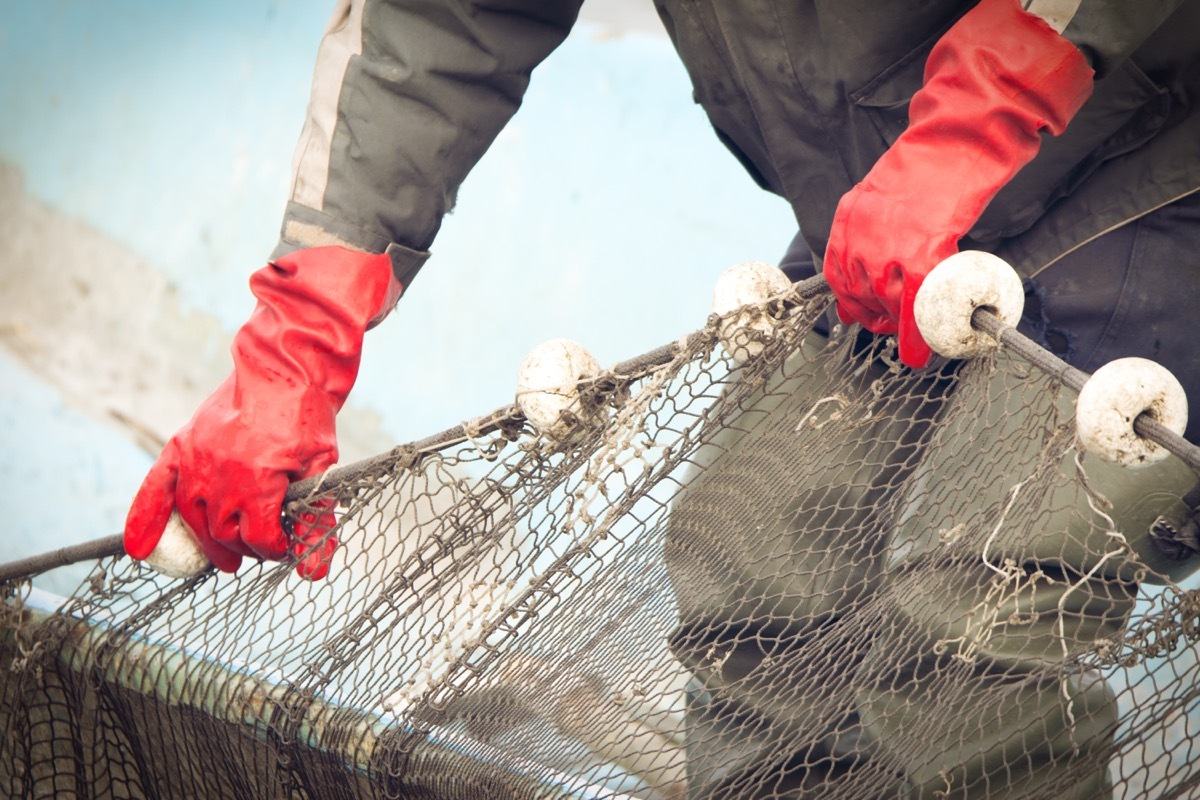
x=810, y=573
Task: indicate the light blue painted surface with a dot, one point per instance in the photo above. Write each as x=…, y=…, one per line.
x=167, y=125
x=68, y=479
x=603, y=213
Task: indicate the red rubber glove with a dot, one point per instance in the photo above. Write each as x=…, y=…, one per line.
x=272, y=421
x=992, y=83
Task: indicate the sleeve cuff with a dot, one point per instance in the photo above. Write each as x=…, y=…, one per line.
x=304, y=228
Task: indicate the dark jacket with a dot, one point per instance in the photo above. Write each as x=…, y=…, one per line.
x=408, y=96
x=809, y=94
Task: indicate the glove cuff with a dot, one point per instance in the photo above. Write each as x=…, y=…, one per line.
x=1016, y=60
x=993, y=83
x=313, y=308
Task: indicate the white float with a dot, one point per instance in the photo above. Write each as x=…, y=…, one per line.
x=177, y=554
x=952, y=292
x=548, y=388
x=740, y=298
x=1114, y=397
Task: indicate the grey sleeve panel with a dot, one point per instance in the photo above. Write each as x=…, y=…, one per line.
x=303, y=227
x=1109, y=31
x=407, y=96
x=1057, y=13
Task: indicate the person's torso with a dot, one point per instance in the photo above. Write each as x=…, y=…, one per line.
x=809, y=93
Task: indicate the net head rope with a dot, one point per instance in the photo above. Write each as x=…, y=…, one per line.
x=761, y=563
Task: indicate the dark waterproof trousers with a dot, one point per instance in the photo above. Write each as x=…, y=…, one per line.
x=838, y=651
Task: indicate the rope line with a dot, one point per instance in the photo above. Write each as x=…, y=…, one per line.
x=623, y=373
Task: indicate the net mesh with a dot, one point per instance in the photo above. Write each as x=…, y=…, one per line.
x=813, y=574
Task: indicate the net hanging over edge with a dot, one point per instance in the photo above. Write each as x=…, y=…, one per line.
x=778, y=566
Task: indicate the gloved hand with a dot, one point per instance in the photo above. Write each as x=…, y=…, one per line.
x=992, y=83
x=272, y=421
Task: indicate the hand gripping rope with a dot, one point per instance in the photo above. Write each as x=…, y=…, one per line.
x=1130, y=411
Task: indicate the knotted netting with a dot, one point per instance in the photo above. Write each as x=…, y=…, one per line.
x=813, y=573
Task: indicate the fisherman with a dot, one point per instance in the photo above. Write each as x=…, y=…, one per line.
x=1061, y=135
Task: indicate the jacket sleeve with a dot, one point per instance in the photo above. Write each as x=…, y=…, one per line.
x=406, y=98
x=1105, y=31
